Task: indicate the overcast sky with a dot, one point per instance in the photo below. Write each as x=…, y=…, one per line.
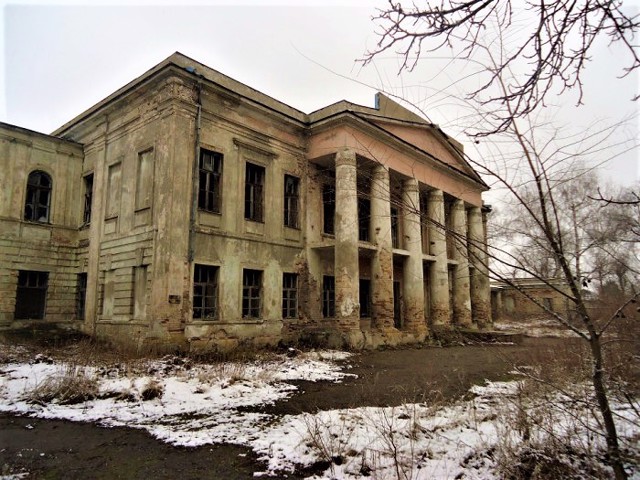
x=61, y=58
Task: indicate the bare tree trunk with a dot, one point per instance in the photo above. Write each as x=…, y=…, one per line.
x=613, y=448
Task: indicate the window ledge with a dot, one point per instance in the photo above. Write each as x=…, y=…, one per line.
x=210, y=212
x=36, y=222
x=243, y=321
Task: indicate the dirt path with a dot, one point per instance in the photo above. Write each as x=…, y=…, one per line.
x=56, y=449
x=393, y=377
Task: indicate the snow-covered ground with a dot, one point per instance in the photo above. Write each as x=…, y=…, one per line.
x=207, y=403
x=535, y=327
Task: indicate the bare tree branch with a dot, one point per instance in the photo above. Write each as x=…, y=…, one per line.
x=554, y=46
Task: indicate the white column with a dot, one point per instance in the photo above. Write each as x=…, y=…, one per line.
x=382, y=262
x=480, y=286
x=461, y=282
x=413, y=280
x=439, y=281
x=346, y=246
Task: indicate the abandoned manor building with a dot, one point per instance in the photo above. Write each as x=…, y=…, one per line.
x=188, y=210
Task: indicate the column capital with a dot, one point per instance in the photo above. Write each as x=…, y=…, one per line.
x=436, y=196
x=346, y=157
x=410, y=185
x=475, y=211
x=380, y=170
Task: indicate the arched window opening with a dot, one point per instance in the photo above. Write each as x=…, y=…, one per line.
x=38, y=201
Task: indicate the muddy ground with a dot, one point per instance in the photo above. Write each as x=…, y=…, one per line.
x=50, y=449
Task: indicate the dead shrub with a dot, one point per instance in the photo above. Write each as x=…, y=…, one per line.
x=229, y=373
x=153, y=389
x=552, y=459
x=330, y=440
x=73, y=384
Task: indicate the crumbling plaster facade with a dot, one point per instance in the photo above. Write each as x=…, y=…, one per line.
x=189, y=210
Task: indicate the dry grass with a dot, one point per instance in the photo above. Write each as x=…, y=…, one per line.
x=153, y=389
x=72, y=384
x=552, y=427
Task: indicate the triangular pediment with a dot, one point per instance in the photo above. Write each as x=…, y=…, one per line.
x=430, y=139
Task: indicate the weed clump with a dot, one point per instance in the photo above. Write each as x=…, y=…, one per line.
x=73, y=384
x=153, y=389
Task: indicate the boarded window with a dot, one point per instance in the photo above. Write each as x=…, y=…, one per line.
x=88, y=199
x=38, y=199
x=140, y=292
x=81, y=295
x=291, y=201
x=144, y=180
x=251, y=292
x=114, y=190
x=365, y=298
x=205, y=292
x=328, y=208
x=210, y=181
x=289, y=295
x=31, y=294
x=328, y=296
x=254, y=193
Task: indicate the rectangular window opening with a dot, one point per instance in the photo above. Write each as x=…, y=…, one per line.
x=364, y=216
x=328, y=296
x=88, y=199
x=424, y=222
x=209, y=181
x=81, y=295
x=397, y=305
x=254, y=193
x=291, y=201
x=31, y=294
x=395, y=228
x=205, y=292
x=329, y=208
x=289, y=295
x=448, y=225
x=251, y=293
x=365, y=298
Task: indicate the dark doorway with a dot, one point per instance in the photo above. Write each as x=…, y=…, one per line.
x=31, y=294
x=81, y=295
x=397, y=305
